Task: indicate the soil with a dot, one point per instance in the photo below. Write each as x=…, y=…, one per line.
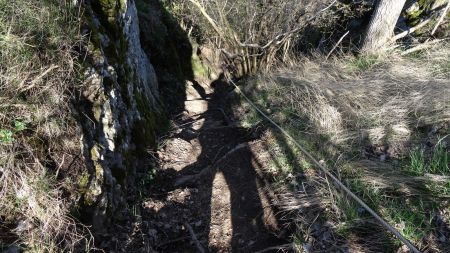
x=210, y=180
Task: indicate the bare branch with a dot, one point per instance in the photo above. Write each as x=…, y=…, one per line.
x=337, y=44
x=422, y=46
x=279, y=37
x=441, y=18
x=411, y=30
x=205, y=14
x=39, y=77
x=194, y=238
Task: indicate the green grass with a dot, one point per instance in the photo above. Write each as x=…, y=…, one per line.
x=439, y=160
x=19, y=126
x=411, y=219
x=349, y=210
x=372, y=194
x=199, y=69
x=6, y=136
x=417, y=164
x=299, y=239
x=149, y=176
x=362, y=63
x=439, y=189
x=250, y=119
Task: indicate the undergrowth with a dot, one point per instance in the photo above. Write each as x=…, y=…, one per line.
x=39, y=138
x=369, y=120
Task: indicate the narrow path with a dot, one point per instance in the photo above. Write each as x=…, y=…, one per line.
x=211, y=181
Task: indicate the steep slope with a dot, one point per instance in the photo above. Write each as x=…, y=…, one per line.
x=80, y=110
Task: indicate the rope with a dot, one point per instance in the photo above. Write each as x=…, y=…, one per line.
x=336, y=180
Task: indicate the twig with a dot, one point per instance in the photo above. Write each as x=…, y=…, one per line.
x=441, y=18
x=172, y=241
x=205, y=14
x=60, y=166
x=190, y=178
x=411, y=30
x=441, y=139
x=194, y=238
x=283, y=246
x=240, y=146
x=39, y=77
x=422, y=46
x=279, y=37
x=337, y=44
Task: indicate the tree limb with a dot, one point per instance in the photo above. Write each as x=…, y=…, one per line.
x=422, y=46
x=205, y=14
x=39, y=77
x=411, y=30
x=441, y=18
x=337, y=44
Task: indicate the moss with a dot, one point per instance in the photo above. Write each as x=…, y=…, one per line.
x=112, y=8
x=109, y=12
x=83, y=182
x=414, y=13
x=144, y=131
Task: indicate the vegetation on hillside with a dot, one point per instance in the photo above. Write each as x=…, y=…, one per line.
x=382, y=129
x=39, y=138
x=380, y=120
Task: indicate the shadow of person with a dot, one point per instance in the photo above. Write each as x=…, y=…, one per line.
x=229, y=200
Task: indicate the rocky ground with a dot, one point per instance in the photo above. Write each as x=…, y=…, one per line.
x=209, y=192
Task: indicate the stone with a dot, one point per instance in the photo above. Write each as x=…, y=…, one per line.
x=122, y=87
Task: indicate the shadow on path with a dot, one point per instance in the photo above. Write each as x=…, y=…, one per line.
x=228, y=206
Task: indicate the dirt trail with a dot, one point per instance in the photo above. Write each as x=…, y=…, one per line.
x=211, y=179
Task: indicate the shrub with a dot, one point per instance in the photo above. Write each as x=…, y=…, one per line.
x=251, y=35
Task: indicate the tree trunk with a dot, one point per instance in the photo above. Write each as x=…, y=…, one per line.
x=382, y=25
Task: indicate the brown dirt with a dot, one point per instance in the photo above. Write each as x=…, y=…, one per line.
x=213, y=181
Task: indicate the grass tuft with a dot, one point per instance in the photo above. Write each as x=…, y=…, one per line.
x=417, y=166
x=440, y=160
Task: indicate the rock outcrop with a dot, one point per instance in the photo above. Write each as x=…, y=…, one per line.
x=120, y=110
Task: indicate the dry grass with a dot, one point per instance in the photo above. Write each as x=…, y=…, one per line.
x=39, y=138
x=362, y=116
x=352, y=107
x=31, y=199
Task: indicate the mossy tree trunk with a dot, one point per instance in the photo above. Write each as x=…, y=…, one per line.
x=382, y=24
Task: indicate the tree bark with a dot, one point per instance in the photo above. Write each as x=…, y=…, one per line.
x=382, y=24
